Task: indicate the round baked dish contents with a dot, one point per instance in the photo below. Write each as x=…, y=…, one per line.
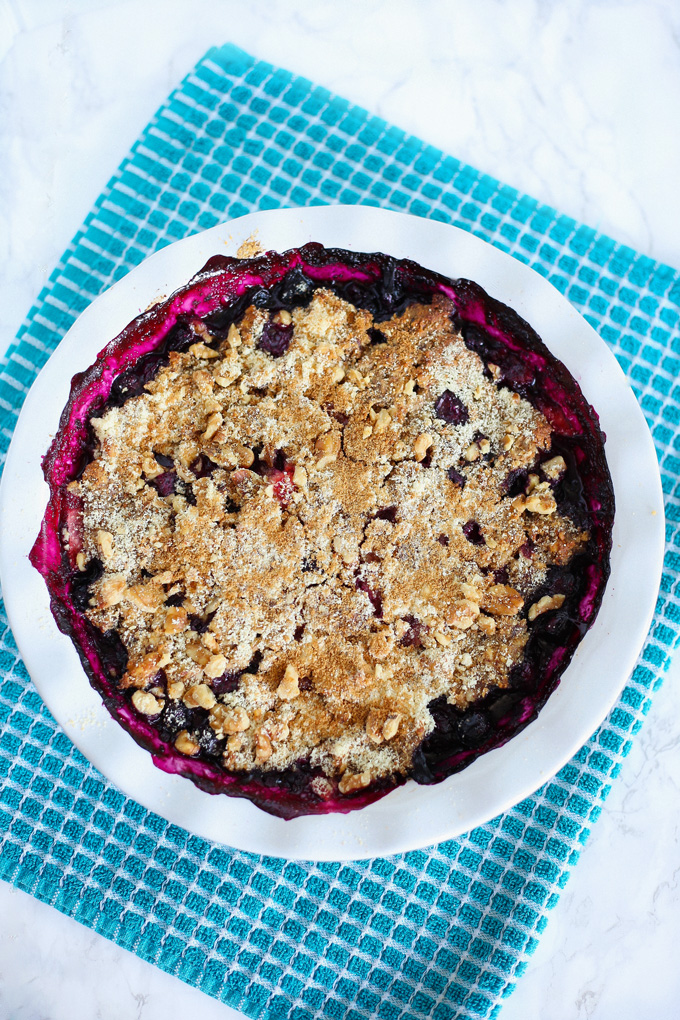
x=321, y=522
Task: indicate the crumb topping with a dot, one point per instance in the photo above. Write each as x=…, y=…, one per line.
x=310, y=531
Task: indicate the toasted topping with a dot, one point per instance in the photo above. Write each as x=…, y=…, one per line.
x=310, y=531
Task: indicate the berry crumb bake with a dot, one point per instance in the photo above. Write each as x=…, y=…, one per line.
x=321, y=522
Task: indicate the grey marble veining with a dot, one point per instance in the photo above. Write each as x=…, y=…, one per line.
x=573, y=101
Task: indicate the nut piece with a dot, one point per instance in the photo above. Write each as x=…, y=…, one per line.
x=541, y=503
x=288, y=688
x=374, y=726
x=383, y=419
x=391, y=725
x=140, y=674
x=215, y=666
x=184, y=743
x=380, y=645
x=147, y=597
x=422, y=445
x=328, y=443
x=354, y=781
x=176, y=620
x=200, y=350
x=486, y=624
x=283, y=317
x=111, y=590
x=229, y=720
x=544, y=605
x=502, y=600
x=462, y=614
x=442, y=638
x=146, y=703
x=105, y=542
x=472, y=453
x=263, y=747
x=214, y=423
x=300, y=477
x=199, y=696
x=233, y=337
x=554, y=468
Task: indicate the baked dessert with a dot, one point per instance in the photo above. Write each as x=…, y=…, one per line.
x=323, y=521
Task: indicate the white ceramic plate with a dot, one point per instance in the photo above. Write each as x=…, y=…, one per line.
x=411, y=816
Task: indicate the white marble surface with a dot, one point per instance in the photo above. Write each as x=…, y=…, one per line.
x=574, y=101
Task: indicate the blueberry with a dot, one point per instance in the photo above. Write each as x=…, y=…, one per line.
x=275, y=338
x=450, y=408
x=473, y=533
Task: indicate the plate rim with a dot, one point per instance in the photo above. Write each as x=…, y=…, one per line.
x=354, y=827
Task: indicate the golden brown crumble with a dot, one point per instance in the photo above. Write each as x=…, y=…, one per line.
x=348, y=571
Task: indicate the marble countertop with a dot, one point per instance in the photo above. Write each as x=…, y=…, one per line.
x=573, y=101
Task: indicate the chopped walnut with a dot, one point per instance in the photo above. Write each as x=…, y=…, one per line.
x=502, y=600
x=374, y=726
x=105, y=543
x=146, y=703
x=263, y=747
x=537, y=503
x=554, y=468
x=184, y=743
x=462, y=614
x=111, y=590
x=229, y=720
x=391, y=725
x=214, y=422
x=486, y=624
x=199, y=696
x=422, y=445
x=215, y=666
x=544, y=605
x=289, y=689
x=352, y=782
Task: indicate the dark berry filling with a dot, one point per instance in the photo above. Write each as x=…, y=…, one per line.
x=451, y=408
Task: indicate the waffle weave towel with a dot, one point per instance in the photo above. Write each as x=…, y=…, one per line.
x=439, y=933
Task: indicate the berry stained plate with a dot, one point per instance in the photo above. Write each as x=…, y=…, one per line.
x=411, y=816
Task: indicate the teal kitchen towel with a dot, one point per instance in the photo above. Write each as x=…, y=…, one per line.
x=440, y=933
